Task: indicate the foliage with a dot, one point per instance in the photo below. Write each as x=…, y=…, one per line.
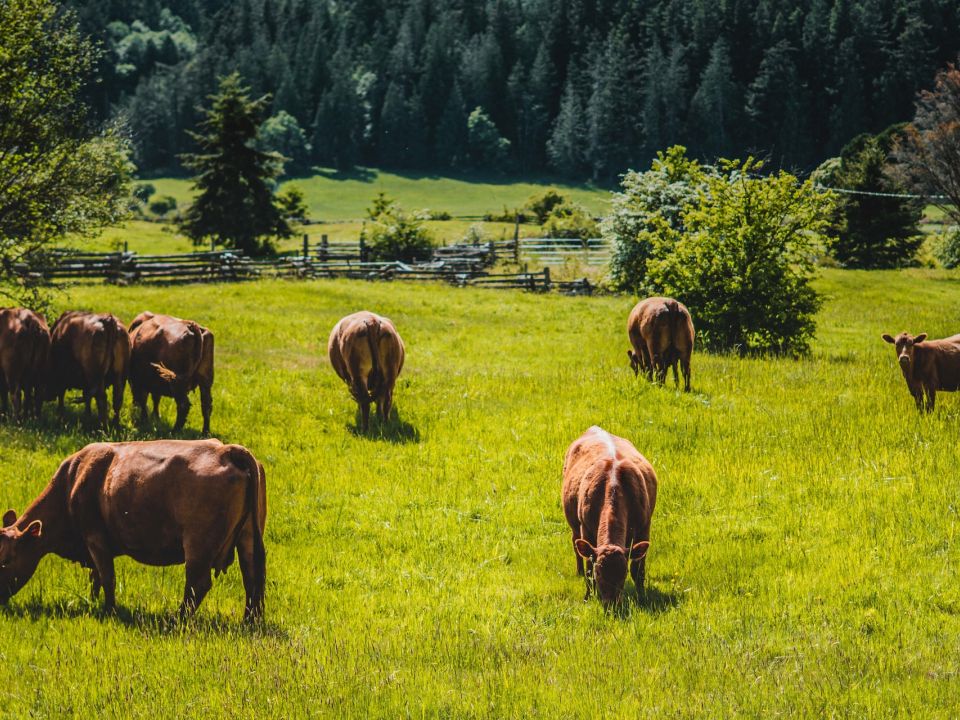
x=543, y=204
x=475, y=235
x=929, y=152
x=162, y=205
x=234, y=206
x=743, y=260
x=144, y=191
x=647, y=202
x=292, y=206
x=570, y=221
x=392, y=234
x=487, y=148
x=947, y=248
x=281, y=134
x=874, y=231
x=796, y=523
x=59, y=174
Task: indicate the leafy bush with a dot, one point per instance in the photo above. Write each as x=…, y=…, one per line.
x=292, y=205
x=392, y=234
x=283, y=135
x=163, y=204
x=947, y=248
x=509, y=216
x=570, y=221
x=542, y=205
x=744, y=257
x=475, y=235
x=647, y=200
x=144, y=191
x=487, y=147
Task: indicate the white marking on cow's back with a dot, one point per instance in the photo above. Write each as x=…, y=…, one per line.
x=607, y=439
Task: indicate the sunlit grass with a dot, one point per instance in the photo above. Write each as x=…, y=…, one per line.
x=804, y=546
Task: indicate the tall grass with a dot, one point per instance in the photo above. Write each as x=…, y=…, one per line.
x=803, y=561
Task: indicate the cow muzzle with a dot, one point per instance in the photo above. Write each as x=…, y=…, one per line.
x=904, y=361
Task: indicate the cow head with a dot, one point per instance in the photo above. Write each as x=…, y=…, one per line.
x=904, y=343
x=20, y=553
x=634, y=362
x=610, y=566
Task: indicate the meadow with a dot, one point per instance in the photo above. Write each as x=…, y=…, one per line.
x=804, y=551
x=335, y=197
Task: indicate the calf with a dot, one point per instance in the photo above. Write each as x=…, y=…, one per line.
x=24, y=345
x=609, y=491
x=90, y=352
x=164, y=502
x=367, y=353
x=661, y=333
x=928, y=365
x=170, y=358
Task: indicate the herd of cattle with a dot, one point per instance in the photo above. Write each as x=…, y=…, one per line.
x=201, y=503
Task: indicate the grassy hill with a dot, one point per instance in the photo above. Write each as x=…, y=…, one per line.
x=803, y=560
x=331, y=196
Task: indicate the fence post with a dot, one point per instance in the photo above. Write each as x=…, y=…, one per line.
x=546, y=279
x=306, y=246
x=516, y=240
x=324, y=245
x=363, y=249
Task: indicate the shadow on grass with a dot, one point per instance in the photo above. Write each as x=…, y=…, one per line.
x=650, y=600
x=144, y=621
x=485, y=177
x=359, y=174
x=394, y=430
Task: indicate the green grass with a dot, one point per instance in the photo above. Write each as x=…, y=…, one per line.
x=803, y=558
x=334, y=197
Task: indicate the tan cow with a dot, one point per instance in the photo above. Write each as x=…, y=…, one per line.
x=609, y=492
x=24, y=346
x=661, y=333
x=89, y=352
x=164, y=502
x=927, y=365
x=170, y=358
x=367, y=353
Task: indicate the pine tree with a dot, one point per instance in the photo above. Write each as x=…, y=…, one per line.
x=450, y=145
x=715, y=108
x=775, y=104
x=568, y=138
x=234, y=206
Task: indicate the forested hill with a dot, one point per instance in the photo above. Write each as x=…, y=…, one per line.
x=582, y=87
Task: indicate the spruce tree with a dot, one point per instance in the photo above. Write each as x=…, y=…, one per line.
x=566, y=144
x=715, y=108
x=234, y=205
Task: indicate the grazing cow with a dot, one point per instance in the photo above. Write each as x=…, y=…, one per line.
x=928, y=365
x=24, y=345
x=163, y=502
x=661, y=333
x=90, y=352
x=609, y=491
x=170, y=358
x=367, y=353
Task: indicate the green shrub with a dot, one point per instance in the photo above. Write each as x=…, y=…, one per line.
x=163, y=204
x=744, y=258
x=542, y=205
x=946, y=248
x=570, y=221
x=292, y=205
x=392, y=234
x=647, y=200
x=144, y=191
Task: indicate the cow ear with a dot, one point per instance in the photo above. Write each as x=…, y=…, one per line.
x=584, y=549
x=639, y=550
x=9, y=518
x=919, y=338
x=889, y=339
x=33, y=529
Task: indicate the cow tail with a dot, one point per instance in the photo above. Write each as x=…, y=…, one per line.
x=373, y=339
x=243, y=459
x=197, y=334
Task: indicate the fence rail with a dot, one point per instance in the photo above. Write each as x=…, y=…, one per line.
x=461, y=265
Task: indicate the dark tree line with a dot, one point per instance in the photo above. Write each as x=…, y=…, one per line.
x=583, y=87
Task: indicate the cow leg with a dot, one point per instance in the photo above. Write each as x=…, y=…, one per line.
x=931, y=394
x=60, y=408
x=156, y=405
x=86, y=403
x=197, y=586
x=103, y=412
x=576, y=536
x=102, y=570
x=17, y=403
x=119, y=384
x=685, y=368
x=648, y=362
x=676, y=375
x=253, y=582
x=140, y=400
x=206, y=405
x=95, y=584
x=183, y=408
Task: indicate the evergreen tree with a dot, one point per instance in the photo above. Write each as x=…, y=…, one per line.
x=775, y=104
x=715, y=108
x=567, y=141
x=234, y=206
x=338, y=123
x=450, y=147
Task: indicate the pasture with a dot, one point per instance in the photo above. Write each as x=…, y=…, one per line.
x=331, y=196
x=804, y=553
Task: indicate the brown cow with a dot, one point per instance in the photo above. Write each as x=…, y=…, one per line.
x=609, y=491
x=367, y=353
x=90, y=352
x=170, y=358
x=661, y=333
x=24, y=345
x=163, y=502
x=928, y=365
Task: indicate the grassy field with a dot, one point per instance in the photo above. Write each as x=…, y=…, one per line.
x=805, y=544
x=334, y=197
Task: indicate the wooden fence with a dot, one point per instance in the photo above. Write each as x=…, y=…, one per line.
x=459, y=265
